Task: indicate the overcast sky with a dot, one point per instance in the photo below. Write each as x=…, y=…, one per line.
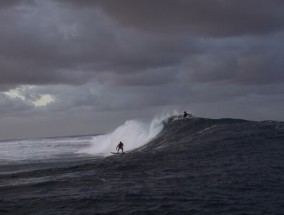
x=73, y=67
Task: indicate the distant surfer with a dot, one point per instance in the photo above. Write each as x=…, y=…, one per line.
x=185, y=114
x=119, y=146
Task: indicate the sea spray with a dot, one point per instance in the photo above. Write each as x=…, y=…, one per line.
x=132, y=133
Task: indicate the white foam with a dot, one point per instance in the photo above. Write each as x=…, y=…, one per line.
x=26, y=151
x=132, y=133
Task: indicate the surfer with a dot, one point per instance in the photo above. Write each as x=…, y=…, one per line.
x=119, y=146
x=185, y=114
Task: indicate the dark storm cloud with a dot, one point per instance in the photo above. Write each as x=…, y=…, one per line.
x=35, y=49
x=119, y=57
x=198, y=17
x=243, y=61
x=39, y=46
x=77, y=45
x=245, y=69
x=4, y=4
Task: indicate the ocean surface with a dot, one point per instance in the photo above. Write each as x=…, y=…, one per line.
x=173, y=166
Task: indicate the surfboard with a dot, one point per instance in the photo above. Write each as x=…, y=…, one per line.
x=117, y=153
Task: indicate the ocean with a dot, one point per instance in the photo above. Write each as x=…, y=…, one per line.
x=170, y=166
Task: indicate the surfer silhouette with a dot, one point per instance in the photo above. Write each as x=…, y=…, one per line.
x=119, y=146
x=185, y=114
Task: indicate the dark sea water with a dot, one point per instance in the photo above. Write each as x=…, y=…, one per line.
x=194, y=166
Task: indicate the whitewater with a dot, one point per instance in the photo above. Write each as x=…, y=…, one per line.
x=132, y=133
x=172, y=166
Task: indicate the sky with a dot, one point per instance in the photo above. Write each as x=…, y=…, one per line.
x=72, y=67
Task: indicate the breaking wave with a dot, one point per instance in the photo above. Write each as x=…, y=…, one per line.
x=132, y=133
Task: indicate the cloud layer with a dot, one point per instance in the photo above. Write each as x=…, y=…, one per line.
x=134, y=58
x=199, y=17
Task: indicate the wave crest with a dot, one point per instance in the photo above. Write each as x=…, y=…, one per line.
x=132, y=133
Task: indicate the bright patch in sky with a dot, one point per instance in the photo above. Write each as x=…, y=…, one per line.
x=43, y=100
x=15, y=93
x=24, y=93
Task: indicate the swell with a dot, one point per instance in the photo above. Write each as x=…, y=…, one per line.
x=180, y=134
x=177, y=129
x=195, y=165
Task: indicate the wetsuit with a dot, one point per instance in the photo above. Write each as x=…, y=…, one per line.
x=119, y=146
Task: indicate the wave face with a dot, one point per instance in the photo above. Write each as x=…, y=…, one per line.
x=132, y=133
x=191, y=166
